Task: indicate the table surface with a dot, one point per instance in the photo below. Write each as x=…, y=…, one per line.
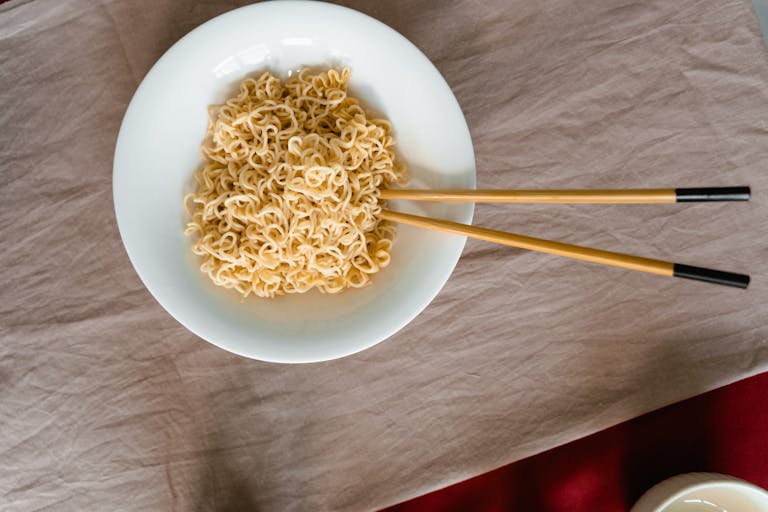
x=722, y=431
x=106, y=400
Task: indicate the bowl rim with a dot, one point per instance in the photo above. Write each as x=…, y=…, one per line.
x=689, y=482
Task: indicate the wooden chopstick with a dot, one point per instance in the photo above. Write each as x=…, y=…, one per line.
x=615, y=259
x=629, y=196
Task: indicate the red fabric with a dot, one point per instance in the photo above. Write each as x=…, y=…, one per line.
x=723, y=431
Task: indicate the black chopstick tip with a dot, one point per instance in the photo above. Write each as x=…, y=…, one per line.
x=709, y=275
x=709, y=194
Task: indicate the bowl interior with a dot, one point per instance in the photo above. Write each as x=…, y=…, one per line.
x=157, y=154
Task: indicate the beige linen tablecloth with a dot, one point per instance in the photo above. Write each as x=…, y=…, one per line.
x=106, y=403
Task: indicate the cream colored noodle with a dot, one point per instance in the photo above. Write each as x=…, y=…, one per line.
x=289, y=195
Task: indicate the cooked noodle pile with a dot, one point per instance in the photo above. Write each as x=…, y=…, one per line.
x=289, y=195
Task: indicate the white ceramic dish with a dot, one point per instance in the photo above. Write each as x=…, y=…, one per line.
x=157, y=154
x=703, y=492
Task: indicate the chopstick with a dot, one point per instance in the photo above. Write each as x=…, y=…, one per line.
x=615, y=259
x=629, y=196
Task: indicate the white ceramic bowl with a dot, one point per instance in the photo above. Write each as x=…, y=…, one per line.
x=157, y=154
x=703, y=492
